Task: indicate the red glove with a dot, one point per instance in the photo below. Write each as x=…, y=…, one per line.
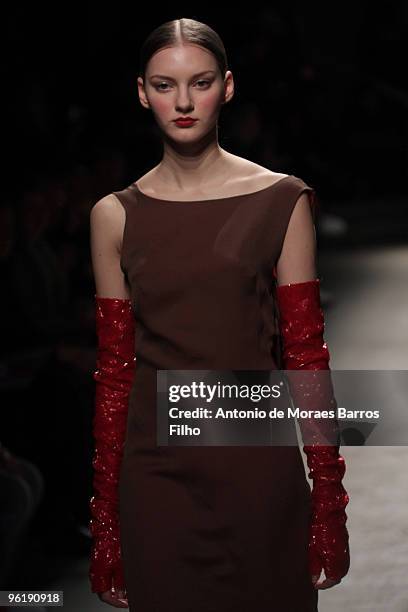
x=302, y=327
x=115, y=327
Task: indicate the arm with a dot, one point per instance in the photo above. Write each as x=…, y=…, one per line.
x=304, y=348
x=113, y=377
x=107, y=222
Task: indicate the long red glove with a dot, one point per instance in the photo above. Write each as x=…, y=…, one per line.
x=302, y=327
x=115, y=364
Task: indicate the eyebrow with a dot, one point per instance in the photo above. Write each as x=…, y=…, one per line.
x=163, y=76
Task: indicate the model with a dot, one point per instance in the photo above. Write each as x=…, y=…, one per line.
x=203, y=263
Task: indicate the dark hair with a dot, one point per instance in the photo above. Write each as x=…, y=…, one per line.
x=181, y=30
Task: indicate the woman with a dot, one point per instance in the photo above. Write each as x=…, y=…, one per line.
x=185, y=262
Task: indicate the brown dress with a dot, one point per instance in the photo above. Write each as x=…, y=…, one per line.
x=209, y=528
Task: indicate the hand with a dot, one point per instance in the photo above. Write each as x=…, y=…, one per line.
x=115, y=596
x=326, y=584
x=328, y=551
x=106, y=570
x=118, y=599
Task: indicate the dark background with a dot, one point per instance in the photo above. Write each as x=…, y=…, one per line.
x=321, y=93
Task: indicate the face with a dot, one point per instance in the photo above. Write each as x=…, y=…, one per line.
x=181, y=81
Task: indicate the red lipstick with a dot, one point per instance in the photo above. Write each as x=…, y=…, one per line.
x=185, y=121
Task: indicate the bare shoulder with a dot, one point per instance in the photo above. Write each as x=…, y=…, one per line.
x=107, y=218
x=107, y=207
x=297, y=260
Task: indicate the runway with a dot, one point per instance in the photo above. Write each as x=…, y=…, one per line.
x=367, y=328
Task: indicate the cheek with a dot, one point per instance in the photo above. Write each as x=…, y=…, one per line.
x=211, y=101
x=162, y=106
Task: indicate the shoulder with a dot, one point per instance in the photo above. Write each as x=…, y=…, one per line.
x=107, y=206
x=252, y=176
x=299, y=194
x=107, y=217
x=247, y=169
x=261, y=177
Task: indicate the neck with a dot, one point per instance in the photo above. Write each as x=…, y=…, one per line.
x=188, y=166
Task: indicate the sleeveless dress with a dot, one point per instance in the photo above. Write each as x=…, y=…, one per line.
x=209, y=528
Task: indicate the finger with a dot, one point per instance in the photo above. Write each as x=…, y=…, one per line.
x=327, y=583
x=121, y=595
x=315, y=573
x=112, y=599
x=120, y=590
x=120, y=599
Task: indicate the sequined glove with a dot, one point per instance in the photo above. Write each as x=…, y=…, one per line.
x=302, y=327
x=114, y=375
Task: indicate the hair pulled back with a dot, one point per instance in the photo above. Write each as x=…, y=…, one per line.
x=184, y=30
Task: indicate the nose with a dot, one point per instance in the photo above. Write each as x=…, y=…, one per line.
x=183, y=101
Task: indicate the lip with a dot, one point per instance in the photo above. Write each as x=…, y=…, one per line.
x=185, y=121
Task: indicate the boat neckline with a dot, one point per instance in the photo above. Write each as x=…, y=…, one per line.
x=233, y=197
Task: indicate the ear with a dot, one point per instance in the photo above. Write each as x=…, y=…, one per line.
x=228, y=86
x=142, y=94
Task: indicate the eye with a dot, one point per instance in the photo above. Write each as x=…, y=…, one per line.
x=203, y=81
x=163, y=86
x=159, y=86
